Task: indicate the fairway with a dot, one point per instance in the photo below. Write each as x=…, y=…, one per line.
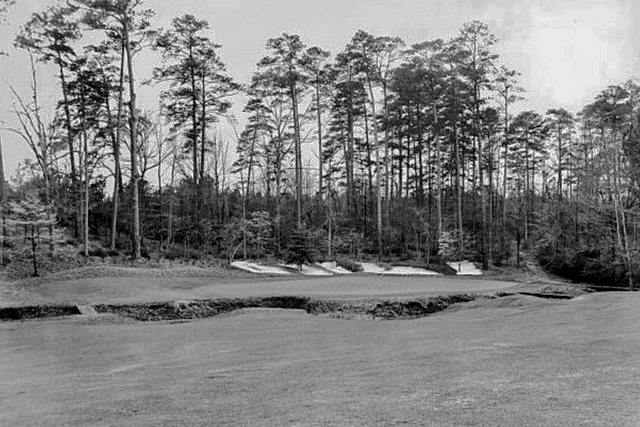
x=517, y=361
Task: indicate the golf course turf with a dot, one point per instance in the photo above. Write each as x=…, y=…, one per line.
x=511, y=361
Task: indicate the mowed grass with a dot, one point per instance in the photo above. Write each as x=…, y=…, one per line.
x=518, y=361
x=120, y=290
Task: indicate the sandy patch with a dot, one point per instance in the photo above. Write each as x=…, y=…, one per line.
x=309, y=270
x=409, y=271
x=334, y=268
x=465, y=268
x=371, y=268
x=259, y=269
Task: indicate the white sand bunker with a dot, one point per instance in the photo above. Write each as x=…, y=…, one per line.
x=465, y=268
x=309, y=270
x=259, y=269
x=372, y=268
x=409, y=271
x=334, y=267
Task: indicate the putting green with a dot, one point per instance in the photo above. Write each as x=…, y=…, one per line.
x=122, y=289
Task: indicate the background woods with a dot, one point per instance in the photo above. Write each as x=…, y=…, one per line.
x=383, y=149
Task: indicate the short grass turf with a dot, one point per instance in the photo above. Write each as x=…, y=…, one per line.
x=519, y=362
x=146, y=289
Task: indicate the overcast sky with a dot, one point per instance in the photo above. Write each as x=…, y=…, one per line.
x=566, y=50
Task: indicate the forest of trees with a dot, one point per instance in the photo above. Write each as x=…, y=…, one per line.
x=385, y=150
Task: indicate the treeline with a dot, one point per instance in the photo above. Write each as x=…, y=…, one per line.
x=392, y=150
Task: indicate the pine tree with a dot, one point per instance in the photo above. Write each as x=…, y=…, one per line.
x=284, y=64
x=131, y=24
x=198, y=92
x=299, y=250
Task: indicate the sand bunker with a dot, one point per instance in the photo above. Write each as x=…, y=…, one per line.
x=259, y=269
x=309, y=270
x=371, y=268
x=465, y=268
x=334, y=268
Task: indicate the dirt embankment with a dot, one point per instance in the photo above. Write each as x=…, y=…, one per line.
x=37, y=311
x=388, y=309
x=198, y=309
x=358, y=309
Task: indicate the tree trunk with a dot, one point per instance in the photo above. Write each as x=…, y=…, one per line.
x=170, y=213
x=506, y=156
x=3, y=202
x=458, y=186
x=194, y=142
x=67, y=114
x=319, y=117
x=387, y=157
x=559, y=162
x=436, y=135
x=133, y=125
x=33, y=252
x=483, y=205
x=85, y=166
x=298, y=154
x=369, y=163
x=330, y=213
x=117, y=184
x=526, y=191
x=491, y=201
x=203, y=150
x=378, y=170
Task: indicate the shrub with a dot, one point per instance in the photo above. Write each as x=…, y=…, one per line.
x=97, y=251
x=193, y=254
x=174, y=252
x=113, y=253
x=442, y=269
x=300, y=250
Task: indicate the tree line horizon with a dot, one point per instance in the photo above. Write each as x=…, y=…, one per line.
x=386, y=149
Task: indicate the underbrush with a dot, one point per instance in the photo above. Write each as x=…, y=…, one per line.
x=586, y=266
x=67, y=264
x=352, y=266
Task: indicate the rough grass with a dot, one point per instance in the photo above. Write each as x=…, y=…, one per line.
x=93, y=271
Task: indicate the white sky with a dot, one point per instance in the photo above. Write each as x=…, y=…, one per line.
x=566, y=50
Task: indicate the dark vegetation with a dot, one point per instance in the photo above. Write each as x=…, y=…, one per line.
x=405, y=153
x=183, y=310
x=36, y=312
